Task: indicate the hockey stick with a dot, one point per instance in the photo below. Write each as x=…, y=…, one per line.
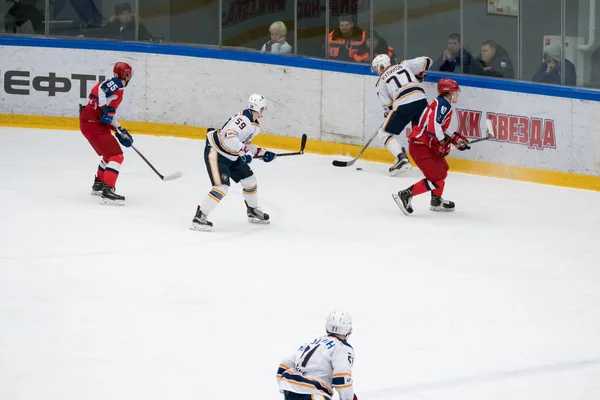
x=297, y=153
x=161, y=176
x=490, y=132
x=337, y=163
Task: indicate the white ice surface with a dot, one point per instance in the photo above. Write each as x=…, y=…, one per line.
x=498, y=300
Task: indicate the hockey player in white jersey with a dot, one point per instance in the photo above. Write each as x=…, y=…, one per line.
x=403, y=100
x=321, y=365
x=227, y=154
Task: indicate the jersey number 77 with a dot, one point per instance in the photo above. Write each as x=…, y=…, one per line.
x=401, y=79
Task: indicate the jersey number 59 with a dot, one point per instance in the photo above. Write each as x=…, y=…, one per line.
x=240, y=123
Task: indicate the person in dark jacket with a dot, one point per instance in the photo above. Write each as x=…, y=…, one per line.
x=452, y=58
x=550, y=70
x=380, y=46
x=347, y=43
x=121, y=26
x=494, y=61
x=21, y=12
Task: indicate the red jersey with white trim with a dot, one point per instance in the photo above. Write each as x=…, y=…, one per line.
x=318, y=367
x=434, y=121
x=108, y=93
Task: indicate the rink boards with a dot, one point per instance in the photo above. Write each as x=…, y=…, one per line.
x=545, y=134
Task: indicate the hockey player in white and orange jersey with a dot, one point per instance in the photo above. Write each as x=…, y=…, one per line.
x=227, y=154
x=321, y=365
x=403, y=100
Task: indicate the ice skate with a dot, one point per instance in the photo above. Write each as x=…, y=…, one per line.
x=97, y=186
x=402, y=164
x=200, y=222
x=256, y=215
x=109, y=197
x=438, y=203
x=404, y=199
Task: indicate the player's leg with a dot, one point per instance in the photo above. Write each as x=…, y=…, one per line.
x=112, y=156
x=435, y=169
x=438, y=203
x=389, y=133
x=298, y=396
x=242, y=173
x=89, y=131
x=106, y=146
x=217, y=168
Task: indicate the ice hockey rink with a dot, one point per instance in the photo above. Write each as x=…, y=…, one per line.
x=498, y=300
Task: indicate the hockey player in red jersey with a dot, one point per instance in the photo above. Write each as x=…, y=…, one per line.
x=96, y=121
x=429, y=144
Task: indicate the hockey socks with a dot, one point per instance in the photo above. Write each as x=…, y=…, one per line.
x=426, y=185
x=101, y=168
x=250, y=191
x=392, y=145
x=213, y=198
x=111, y=171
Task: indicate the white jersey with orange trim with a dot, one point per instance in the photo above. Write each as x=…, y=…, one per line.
x=318, y=367
x=398, y=85
x=235, y=136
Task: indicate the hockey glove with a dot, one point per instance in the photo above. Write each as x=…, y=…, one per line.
x=108, y=113
x=460, y=142
x=124, y=137
x=247, y=158
x=269, y=156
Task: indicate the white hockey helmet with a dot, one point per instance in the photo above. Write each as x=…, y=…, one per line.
x=339, y=323
x=380, y=63
x=256, y=102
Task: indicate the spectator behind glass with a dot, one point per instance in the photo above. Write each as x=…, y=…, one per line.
x=121, y=26
x=380, y=46
x=278, y=43
x=494, y=61
x=595, y=71
x=21, y=12
x=550, y=70
x=347, y=43
x=452, y=57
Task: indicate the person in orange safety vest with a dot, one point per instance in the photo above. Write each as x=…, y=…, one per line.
x=348, y=42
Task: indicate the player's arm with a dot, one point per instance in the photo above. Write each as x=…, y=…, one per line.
x=418, y=66
x=109, y=99
x=233, y=131
x=384, y=97
x=342, y=361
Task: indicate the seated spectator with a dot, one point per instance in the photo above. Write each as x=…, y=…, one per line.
x=21, y=12
x=550, y=70
x=452, y=58
x=347, y=43
x=121, y=26
x=380, y=46
x=494, y=61
x=278, y=43
x=595, y=70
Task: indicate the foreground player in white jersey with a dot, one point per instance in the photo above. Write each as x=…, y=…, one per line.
x=321, y=365
x=227, y=154
x=403, y=101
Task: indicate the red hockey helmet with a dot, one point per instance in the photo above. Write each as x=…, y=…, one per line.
x=123, y=71
x=447, y=85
